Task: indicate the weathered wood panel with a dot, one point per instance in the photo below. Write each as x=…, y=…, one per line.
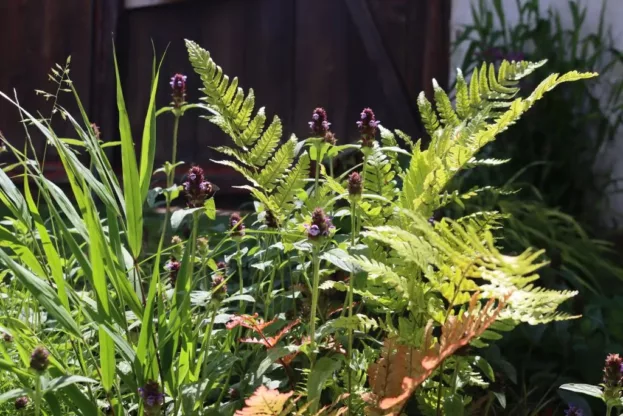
x=37, y=34
x=297, y=54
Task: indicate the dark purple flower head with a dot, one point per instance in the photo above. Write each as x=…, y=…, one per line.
x=236, y=225
x=319, y=124
x=178, y=87
x=21, y=402
x=221, y=265
x=271, y=219
x=39, y=359
x=219, y=288
x=612, y=371
x=320, y=225
x=355, y=184
x=197, y=188
x=367, y=127
x=173, y=267
x=153, y=399
x=7, y=337
x=574, y=411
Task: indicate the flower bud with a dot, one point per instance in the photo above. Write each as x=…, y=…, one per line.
x=21, y=403
x=355, y=185
x=39, y=359
x=178, y=89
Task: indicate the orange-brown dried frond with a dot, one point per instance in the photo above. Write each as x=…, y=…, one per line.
x=270, y=342
x=265, y=402
x=250, y=322
x=402, y=369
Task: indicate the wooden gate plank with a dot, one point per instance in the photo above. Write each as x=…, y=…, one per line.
x=392, y=85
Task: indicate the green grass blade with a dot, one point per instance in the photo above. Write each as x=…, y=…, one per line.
x=148, y=146
x=131, y=183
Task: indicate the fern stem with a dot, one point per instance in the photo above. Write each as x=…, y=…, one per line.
x=314, y=305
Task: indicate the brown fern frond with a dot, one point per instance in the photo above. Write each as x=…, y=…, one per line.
x=270, y=342
x=402, y=369
x=265, y=402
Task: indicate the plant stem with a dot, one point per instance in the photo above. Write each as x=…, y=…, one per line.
x=314, y=305
x=240, y=279
x=318, y=162
x=37, y=395
x=351, y=283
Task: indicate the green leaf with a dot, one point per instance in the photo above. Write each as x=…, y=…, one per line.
x=588, y=389
x=44, y=294
x=148, y=145
x=210, y=209
x=179, y=215
x=453, y=406
x=14, y=394
x=273, y=355
x=323, y=370
x=341, y=259
x=64, y=381
x=96, y=247
x=132, y=189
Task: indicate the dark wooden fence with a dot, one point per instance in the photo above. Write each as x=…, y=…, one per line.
x=296, y=55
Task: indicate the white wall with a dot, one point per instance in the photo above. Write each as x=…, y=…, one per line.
x=613, y=155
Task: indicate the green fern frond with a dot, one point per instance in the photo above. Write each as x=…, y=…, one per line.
x=264, y=148
x=428, y=115
x=291, y=184
x=254, y=129
x=358, y=322
x=278, y=165
x=463, y=108
x=444, y=107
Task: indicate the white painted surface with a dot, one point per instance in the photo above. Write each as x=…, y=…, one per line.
x=612, y=155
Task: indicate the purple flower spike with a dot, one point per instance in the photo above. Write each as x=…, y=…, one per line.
x=153, y=399
x=197, y=188
x=319, y=124
x=320, y=225
x=178, y=87
x=367, y=127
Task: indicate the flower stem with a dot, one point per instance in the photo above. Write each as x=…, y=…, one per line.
x=240, y=279
x=351, y=283
x=37, y=395
x=314, y=305
x=318, y=162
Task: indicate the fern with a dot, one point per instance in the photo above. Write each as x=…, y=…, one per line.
x=401, y=369
x=257, y=153
x=491, y=107
x=265, y=402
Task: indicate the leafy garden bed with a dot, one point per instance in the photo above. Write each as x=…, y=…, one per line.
x=340, y=294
